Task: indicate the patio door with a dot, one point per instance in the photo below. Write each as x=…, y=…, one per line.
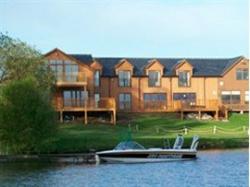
x=73, y=98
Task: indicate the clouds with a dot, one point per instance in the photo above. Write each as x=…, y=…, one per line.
x=128, y=28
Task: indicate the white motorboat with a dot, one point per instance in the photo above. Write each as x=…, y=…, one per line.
x=133, y=152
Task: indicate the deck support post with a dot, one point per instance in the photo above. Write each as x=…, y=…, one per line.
x=112, y=117
x=182, y=115
x=85, y=108
x=61, y=116
x=199, y=114
x=216, y=115
x=85, y=117
x=226, y=114
x=114, y=113
x=85, y=113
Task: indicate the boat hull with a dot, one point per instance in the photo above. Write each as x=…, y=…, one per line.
x=145, y=156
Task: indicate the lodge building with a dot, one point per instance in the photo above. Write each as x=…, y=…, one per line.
x=85, y=84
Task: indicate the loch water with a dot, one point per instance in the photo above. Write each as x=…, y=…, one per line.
x=222, y=168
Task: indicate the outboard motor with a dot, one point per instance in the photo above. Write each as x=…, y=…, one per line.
x=178, y=142
x=195, y=143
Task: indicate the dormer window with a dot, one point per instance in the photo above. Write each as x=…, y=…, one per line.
x=154, y=78
x=124, y=78
x=184, y=79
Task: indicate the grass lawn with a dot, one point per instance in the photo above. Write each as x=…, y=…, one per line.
x=75, y=138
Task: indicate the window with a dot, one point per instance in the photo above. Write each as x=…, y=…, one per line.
x=230, y=97
x=124, y=78
x=155, y=100
x=71, y=71
x=246, y=97
x=57, y=67
x=97, y=99
x=74, y=98
x=242, y=74
x=64, y=70
x=154, y=78
x=125, y=101
x=184, y=78
x=97, y=78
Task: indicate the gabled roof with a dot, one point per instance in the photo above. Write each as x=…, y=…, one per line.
x=181, y=62
x=152, y=62
x=82, y=60
x=232, y=63
x=95, y=64
x=85, y=58
x=122, y=61
x=213, y=67
x=201, y=66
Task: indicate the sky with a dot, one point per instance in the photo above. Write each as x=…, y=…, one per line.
x=129, y=28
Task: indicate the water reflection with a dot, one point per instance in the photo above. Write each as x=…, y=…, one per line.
x=213, y=168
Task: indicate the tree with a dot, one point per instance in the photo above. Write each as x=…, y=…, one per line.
x=18, y=60
x=27, y=119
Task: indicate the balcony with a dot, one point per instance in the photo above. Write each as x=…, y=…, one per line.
x=104, y=104
x=211, y=104
x=155, y=106
x=237, y=107
x=71, y=80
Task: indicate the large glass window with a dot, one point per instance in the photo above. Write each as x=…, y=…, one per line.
x=57, y=67
x=97, y=78
x=125, y=101
x=74, y=98
x=124, y=78
x=230, y=97
x=184, y=78
x=64, y=70
x=154, y=78
x=242, y=74
x=71, y=71
x=155, y=100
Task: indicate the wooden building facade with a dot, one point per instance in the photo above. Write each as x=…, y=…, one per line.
x=87, y=84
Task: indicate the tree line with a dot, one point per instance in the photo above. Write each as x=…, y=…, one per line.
x=27, y=117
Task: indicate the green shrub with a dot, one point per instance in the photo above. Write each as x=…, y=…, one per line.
x=27, y=119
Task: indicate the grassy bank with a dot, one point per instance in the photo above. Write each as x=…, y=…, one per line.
x=149, y=130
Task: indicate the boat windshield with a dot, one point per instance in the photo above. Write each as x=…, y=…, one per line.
x=128, y=145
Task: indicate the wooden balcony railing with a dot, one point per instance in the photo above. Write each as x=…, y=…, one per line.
x=90, y=103
x=155, y=105
x=198, y=104
x=71, y=80
x=237, y=107
x=180, y=105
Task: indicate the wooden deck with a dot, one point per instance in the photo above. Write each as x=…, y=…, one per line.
x=109, y=105
x=238, y=107
x=104, y=105
x=202, y=106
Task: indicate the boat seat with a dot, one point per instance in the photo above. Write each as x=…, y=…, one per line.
x=178, y=142
x=195, y=143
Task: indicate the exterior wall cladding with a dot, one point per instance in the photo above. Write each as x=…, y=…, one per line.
x=203, y=81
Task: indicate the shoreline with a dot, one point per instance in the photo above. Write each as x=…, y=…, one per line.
x=74, y=158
